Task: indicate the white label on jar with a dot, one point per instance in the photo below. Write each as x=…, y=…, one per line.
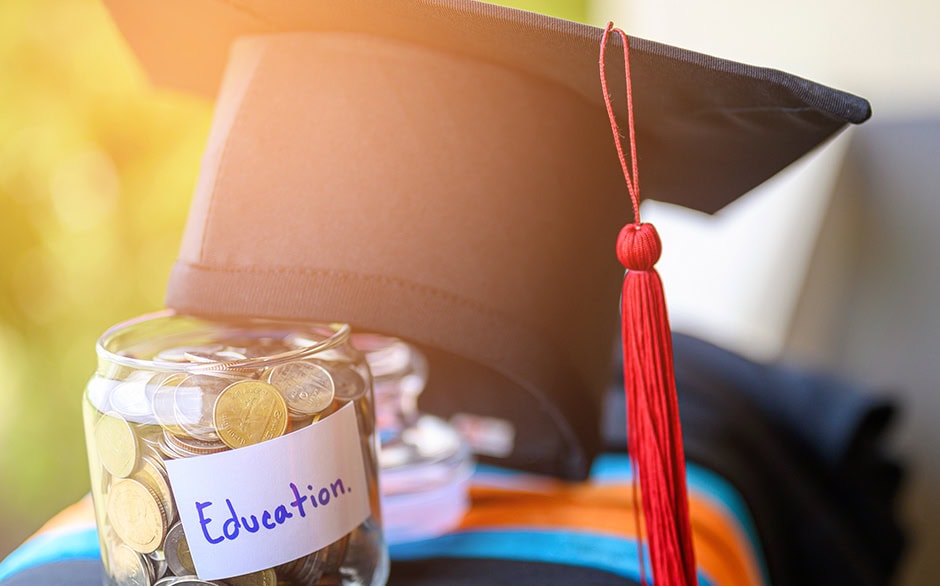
x=259, y=506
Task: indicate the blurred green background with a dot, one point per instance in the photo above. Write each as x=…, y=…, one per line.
x=96, y=171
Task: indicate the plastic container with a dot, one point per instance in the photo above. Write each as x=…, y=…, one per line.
x=234, y=453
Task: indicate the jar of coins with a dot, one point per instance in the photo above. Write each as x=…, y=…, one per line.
x=234, y=453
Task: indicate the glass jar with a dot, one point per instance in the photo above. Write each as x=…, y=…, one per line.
x=233, y=453
x=424, y=465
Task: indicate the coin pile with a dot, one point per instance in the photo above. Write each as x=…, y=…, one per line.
x=226, y=402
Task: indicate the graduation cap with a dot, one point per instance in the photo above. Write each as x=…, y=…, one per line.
x=443, y=171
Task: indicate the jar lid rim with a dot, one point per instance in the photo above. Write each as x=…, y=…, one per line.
x=340, y=335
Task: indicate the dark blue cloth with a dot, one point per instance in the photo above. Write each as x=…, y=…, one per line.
x=806, y=450
x=436, y=572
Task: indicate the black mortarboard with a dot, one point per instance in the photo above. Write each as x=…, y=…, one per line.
x=443, y=171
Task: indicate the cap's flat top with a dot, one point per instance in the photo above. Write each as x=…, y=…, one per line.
x=708, y=130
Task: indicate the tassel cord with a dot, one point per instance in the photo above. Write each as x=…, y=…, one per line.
x=653, y=431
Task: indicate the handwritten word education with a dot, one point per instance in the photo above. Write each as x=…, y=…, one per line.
x=269, y=519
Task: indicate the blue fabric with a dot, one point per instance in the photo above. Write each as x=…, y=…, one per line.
x=616, y=468
x=560, y=547
x=600, y=552
x=52, y=547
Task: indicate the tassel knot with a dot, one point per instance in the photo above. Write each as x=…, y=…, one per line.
x=639, y=247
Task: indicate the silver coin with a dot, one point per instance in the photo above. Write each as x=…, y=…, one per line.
x=160, y=568
x=333, y=355
x=178, y=354
x=387, y=357
x=163, y=400
x=129, y=568
x=237, y=349
x=349, y=384
x=201, y=357
x=264, y=347
x=99, y=391
x=228, y=355
x=194, y=401
x=130, y=399
x=300, y=340
x=307, y=387
x=176, y=549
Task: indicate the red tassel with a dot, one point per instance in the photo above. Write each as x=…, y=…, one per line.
x=655, y=437
x=653, y=431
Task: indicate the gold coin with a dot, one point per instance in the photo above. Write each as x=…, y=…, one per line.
x=296, y=571
x=149, y=435
x=137, y=515
x=263, y=578
x=365, y=417
x=311, y=571
x=249, y=412
x=117, y=444
x=152, y=474
x=187, y=447
x=335, y=555
x=307, y=387
x=129, y=568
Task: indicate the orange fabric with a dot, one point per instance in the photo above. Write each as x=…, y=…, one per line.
x=722, y=550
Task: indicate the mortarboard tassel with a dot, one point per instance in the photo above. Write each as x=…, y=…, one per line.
x=654, y=435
